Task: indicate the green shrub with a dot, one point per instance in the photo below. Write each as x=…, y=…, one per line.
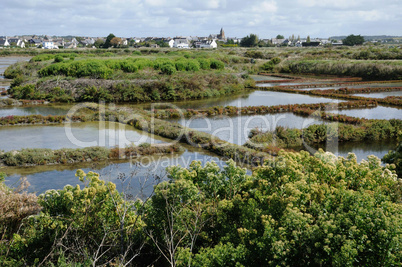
x=192, y=65
x=276, y=60
x=181, y=65
x=42, y=57
x=217, y=64
x=127, y=66
x=23, y=92
x=268, y=66
x=18, y=80
x=144, y=145
x=58, y=58
x=168, y=68
x=205, y=63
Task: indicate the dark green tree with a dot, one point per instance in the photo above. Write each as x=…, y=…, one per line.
x=279, y=36
x=249, y=41
x=109, y=38
x=352, y=40
x=162, y=44
x=230, y=41
x=99, y=43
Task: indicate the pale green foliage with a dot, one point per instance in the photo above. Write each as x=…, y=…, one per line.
x=294, y=210
x=89, y=219
x=395, y=156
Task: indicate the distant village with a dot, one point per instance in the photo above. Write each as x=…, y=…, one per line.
x=212, y=41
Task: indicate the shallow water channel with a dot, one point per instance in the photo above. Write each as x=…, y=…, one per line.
x=44, y=110
x=140, y=174
x=74, y=135
x=251, y=98
x=5, y=62
x=235, y=129
x=378, y=113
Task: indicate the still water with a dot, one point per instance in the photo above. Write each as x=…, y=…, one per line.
x=381, y=94
x=77, y=135
x=361, y=149
x=33, y=110
x=236, y=129
x=379, y=113
x=141, y=174
x=5, y=62
x=373, y=85
x=253, y=98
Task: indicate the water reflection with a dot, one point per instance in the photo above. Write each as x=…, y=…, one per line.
x=266, y=78
x=380, y=113
x=351, y=86
x=381, y=94
x=361, y=149
x=5, y=62
x=139, y=174
x=236, y=129
x=106, y=134
x=254, y=98
x=32, y=110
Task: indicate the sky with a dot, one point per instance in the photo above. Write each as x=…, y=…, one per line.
x=170, y=18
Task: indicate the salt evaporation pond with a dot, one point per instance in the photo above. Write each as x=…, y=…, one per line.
x=236, y=129
x=255, y=98
x=32, y=110
x=142, y=173
x=379, y=113
x=79, y=135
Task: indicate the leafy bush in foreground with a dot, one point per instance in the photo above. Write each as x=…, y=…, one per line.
x=296, y=210
x=395, y=156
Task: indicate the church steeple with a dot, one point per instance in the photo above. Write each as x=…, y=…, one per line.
x=222, y=35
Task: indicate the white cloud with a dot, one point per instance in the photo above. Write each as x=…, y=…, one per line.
x=266, y=18
x=156, y=3
x=268, y=6
x=331, y=3
x=372, y=15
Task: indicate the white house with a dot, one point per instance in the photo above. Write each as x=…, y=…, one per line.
x=208, y=44
x=276, y=41
x=70, y=45
x=35, y=41
x=88, y=42
x=181, y=43
x=170, y=42
x=49, y=45
x=17, y=42
x=4, y=42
